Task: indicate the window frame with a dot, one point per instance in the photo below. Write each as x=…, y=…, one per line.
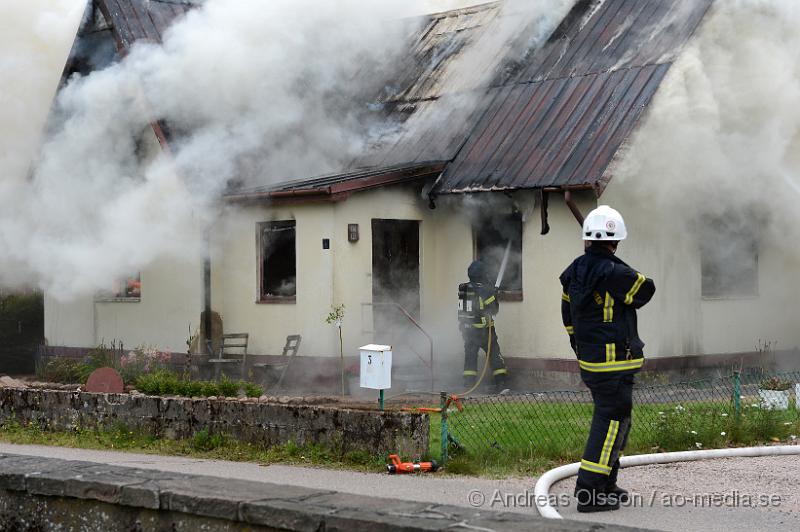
x=263, y=298
x=704, y=258
x=110, y=296
x=512, y=295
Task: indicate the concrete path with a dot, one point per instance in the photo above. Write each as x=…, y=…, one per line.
x=669, y=497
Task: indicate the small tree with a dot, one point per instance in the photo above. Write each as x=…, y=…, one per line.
x=335, y=317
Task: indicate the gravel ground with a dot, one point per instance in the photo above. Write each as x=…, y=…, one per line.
x=727, y=494
x=741, y=483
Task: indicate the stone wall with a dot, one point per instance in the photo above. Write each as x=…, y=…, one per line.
x=254, y=421
x=44, y=494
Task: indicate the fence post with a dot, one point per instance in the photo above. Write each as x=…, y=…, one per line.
x=443, y=407
x=737, y=394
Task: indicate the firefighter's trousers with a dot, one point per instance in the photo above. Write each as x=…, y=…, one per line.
x=476, y=339
x=611, y=422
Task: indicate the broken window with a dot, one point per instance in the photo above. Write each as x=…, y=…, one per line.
x=277, y=261
x=728, y=263
x=123, y=288
x=491, y=236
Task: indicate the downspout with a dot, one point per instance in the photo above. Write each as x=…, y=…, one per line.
x=570, y=201
x=207, y=290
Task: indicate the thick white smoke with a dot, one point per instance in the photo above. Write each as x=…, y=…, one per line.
x=717, y=163
x=727, y=125
x=262, y=92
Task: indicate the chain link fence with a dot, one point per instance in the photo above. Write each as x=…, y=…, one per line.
x=704, y=413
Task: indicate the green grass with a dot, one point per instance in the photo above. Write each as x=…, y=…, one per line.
x=498, y=439
x=201, y=445
x=526, y=437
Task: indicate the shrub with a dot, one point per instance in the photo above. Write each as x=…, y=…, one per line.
x=194, y=388
x=227, y=387
x=164, y=382
x=62, y=370
x=143, y=360
x=208, y=389
x=252, y=390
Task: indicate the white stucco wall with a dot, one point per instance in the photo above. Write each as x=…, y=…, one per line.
x=171, y=302
x=715, y=142
x=343, y=274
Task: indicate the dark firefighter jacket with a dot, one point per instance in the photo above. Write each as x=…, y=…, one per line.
x=477, y=304
x=598, y=306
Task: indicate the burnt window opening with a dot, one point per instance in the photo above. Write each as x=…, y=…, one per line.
x=277, y=261
x=491, y=236
x=127, y=288
x=728, y=263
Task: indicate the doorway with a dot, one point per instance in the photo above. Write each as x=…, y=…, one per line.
x=395, y=275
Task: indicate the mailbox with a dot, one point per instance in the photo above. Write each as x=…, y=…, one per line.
x=376, y=366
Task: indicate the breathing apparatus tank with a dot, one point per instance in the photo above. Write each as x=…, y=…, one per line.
x=468, y=305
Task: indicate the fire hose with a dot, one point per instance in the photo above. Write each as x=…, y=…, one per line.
x=475, y=386
x=541, y=490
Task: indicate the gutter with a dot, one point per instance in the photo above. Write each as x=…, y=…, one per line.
x=254, y=197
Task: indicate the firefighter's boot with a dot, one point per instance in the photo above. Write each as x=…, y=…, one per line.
x=469, y=381
x=500, y=385
x=622, y=495
x=590, y=501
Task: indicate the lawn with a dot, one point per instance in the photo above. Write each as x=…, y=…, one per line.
x=527, y=436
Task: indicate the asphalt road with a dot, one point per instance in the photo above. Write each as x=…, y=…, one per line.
x=716, y=495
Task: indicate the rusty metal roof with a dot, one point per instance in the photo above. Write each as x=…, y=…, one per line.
x=141, y=20
x=413, y=102
x=561, y=118
x=555, y=118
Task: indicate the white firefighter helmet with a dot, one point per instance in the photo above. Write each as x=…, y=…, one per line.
x=604, y=223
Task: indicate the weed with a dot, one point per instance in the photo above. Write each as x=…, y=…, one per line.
x=204, y=441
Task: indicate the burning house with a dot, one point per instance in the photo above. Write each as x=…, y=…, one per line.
x=491, y=129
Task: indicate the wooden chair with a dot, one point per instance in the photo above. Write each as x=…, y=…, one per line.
x=282, y=364
x=232, y=350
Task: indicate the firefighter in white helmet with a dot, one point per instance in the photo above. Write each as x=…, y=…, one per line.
x=598, y=306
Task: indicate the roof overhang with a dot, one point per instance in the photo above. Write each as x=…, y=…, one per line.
x=335, y=188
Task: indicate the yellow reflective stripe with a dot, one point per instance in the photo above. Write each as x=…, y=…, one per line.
x=470, y=373
x=570, y=329
x=617, y=365
x=635, y=288
x=611, y=435
x=595, y=467
x=490, y=300
x=565, y=297
x=480, y=302
x=608, y=309
x=483, y=324
x=611, y=352
x=501, y=371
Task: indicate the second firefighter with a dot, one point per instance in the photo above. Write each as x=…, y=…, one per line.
x=477, y=306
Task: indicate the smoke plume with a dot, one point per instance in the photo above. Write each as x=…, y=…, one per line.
x=717, y=162
x=255, y=92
